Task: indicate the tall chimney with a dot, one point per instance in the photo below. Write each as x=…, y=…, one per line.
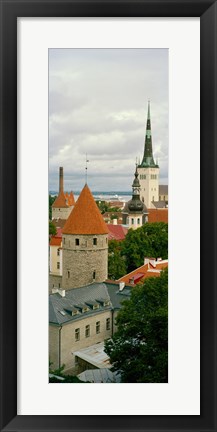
x=61, y=180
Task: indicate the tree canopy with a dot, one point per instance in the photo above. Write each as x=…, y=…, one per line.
x=51, y=201
x=151, y=240
x=116, y=262
x=52, y=229
x=139, y=348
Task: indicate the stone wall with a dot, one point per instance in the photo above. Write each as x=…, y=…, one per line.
x=55, y=281
x=54, y=346
x=62, y=213
x=69, y=345
x=85, y=259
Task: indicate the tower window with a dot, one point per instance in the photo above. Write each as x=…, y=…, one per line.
x=108, y=323
x=77, y=334
x=95, y=241
x=68, y=274
x=77, y=242
x=58, y=252
x=98, y=327
x=58, y=265
x=94, y=275
x=87, y=331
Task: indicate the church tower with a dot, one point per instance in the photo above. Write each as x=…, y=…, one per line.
x=148, y=170
x=135, y=213
x=85, y=244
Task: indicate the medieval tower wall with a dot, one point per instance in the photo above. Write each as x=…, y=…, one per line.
x=85, y=259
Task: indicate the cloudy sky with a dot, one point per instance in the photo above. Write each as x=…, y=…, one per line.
x=98, y=106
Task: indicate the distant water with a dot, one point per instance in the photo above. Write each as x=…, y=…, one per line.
x=104, y=196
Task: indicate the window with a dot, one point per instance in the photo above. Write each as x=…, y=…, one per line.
x=95, y=241
x=138, y=221
x=98, y=327
x=69, y=243
x=68, y=274
x=64, y=240
x=132, y=221
x=58, y=252
x=87, y=331
x=77, y=334
x=77, y=242
x=94, y=275
x=108, y=323
x=58, y=265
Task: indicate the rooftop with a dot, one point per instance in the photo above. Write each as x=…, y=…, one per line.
x=149, y=269
x=85, y=218
x=81, y=302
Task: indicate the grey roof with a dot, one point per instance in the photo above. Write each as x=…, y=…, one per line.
x=159, y=204
x=66, y=309
x=117, y=296
x=100, y=376
x=163, y=189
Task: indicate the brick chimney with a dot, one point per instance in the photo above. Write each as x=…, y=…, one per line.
x=61, y=180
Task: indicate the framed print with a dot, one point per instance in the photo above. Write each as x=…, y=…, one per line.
x=25, y=28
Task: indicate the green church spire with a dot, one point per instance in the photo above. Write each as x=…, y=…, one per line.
x=148, y=160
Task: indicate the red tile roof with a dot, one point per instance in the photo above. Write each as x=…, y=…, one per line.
x=116, y=232
x=158, y=215
x=60, y=201
x=85, y=218
x=143, y=272
x=70, y=199
x=55, y=241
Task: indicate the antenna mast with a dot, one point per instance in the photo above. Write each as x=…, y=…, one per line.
x=86, y=169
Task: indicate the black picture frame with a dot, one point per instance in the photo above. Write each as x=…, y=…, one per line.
x=9, y=12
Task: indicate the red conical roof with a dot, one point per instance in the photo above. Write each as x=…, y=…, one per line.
x=71, y=199
x=85, y=218
x=60, y=201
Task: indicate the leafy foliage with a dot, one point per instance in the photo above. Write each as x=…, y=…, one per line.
x=52, y=229
x=151, y=240
x=116, y=262
x=51, y=201
x=60, y=373
x=139, y=348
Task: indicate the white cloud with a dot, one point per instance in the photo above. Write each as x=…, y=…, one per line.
x=98, y=105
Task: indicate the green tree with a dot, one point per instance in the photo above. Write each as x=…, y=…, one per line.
x=103, y=206
x=151, y=240
x=52, y=229
x=51, y=201
x=116, y=262
x=139, y=348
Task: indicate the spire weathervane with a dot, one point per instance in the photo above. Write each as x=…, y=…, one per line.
x=87, y=160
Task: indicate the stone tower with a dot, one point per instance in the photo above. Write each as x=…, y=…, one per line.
x=135, y=212
x=148, y=170
x=62, y=206
x=85, y=244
